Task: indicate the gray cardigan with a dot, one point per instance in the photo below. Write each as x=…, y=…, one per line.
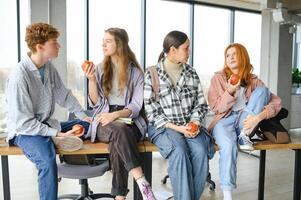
x=133, y=98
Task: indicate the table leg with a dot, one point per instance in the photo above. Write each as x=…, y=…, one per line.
x=297, y=175
x=261, y=175
x=5, y=177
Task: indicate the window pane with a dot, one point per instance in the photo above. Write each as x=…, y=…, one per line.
x=113, y=13
x=8, y=49
x=24, y=21
x=211, y=36
x=298, y=64
x=76, y=47
x=161, y=18
x=248, y=33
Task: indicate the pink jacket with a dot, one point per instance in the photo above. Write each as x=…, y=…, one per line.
x=221, y=102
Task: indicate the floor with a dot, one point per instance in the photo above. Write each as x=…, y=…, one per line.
x=278, y=185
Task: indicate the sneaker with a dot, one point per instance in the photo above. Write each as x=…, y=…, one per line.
x=244, y=142
x=147, y=192
x=68, y=143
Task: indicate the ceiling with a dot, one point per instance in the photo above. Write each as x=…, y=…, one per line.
x=294, y=6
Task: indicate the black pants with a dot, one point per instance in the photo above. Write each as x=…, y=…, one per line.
x=124, y=154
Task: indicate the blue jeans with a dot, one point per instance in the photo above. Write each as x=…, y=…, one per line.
x=225, y=134
x=41, y=151
x=187, y=160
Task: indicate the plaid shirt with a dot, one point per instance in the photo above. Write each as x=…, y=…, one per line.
x=178, y=105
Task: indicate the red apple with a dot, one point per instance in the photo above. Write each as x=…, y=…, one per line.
x=234, y=79
x=86, y=64
x=193, y=127
x=78, y=130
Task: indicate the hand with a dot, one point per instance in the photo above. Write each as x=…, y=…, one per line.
x=68, y=133
x=106, y=118
x=250, y=123
x=185, y=130
x=90, y=72
x=88, y=119
x=232, y=88
x=193, y=126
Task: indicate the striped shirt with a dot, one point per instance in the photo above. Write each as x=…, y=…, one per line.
x=31, y=102
x=180, y=104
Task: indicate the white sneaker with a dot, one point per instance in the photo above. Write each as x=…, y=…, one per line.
x=244, y=142
x=68, y=143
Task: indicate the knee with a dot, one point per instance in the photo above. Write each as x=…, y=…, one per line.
x=47, y=162
x=180, y=152
x=228, y=147
x=262, y=91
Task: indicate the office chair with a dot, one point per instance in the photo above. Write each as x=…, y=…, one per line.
x=83, y=173
x=96, y=166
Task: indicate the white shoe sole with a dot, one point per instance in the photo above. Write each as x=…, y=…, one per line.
x=68, y=143
x=246, y=147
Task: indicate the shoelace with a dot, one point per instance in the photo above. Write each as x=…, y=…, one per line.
x=245, y=139
x=147, y=191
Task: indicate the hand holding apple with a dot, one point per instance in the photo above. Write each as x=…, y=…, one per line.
x=234, y=79
x=78, y=130
x=88, y=68
x=86, y=65
x=193, y=127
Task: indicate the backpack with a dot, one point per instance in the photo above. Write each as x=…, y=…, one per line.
x=155, y=81
x=272, y=130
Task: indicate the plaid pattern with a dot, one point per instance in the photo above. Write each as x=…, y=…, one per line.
x=31, y=103
x=178, y=105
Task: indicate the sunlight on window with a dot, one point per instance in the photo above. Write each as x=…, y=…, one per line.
x=161, y=18
x=211, y=36
x=9, y=55
x=114, y=13
x=248, y=32
x=76, y=31
x=24, y=22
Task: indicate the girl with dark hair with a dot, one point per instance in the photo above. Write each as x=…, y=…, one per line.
x=238, y=108
x=181, y=102
x=115, y=88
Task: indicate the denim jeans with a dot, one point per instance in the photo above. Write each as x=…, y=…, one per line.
x=41, y=151
x=187, y=160
x=225, y=134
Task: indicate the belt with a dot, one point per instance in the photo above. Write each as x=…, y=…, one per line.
x=113, y=108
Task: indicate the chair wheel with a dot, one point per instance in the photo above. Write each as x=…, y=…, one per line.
x=212, y=186
x=90, y=192
x=164, y=180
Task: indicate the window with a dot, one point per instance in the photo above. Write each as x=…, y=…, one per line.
x=24, y=22
x=76, y=40
x=298, y=59
x=211, y=36
x=9, y=45
x=113, y=13
x=161, y=18
x=9, y=55
x=248, y=33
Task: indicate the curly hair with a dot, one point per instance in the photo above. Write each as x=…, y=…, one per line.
x=39, y=33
